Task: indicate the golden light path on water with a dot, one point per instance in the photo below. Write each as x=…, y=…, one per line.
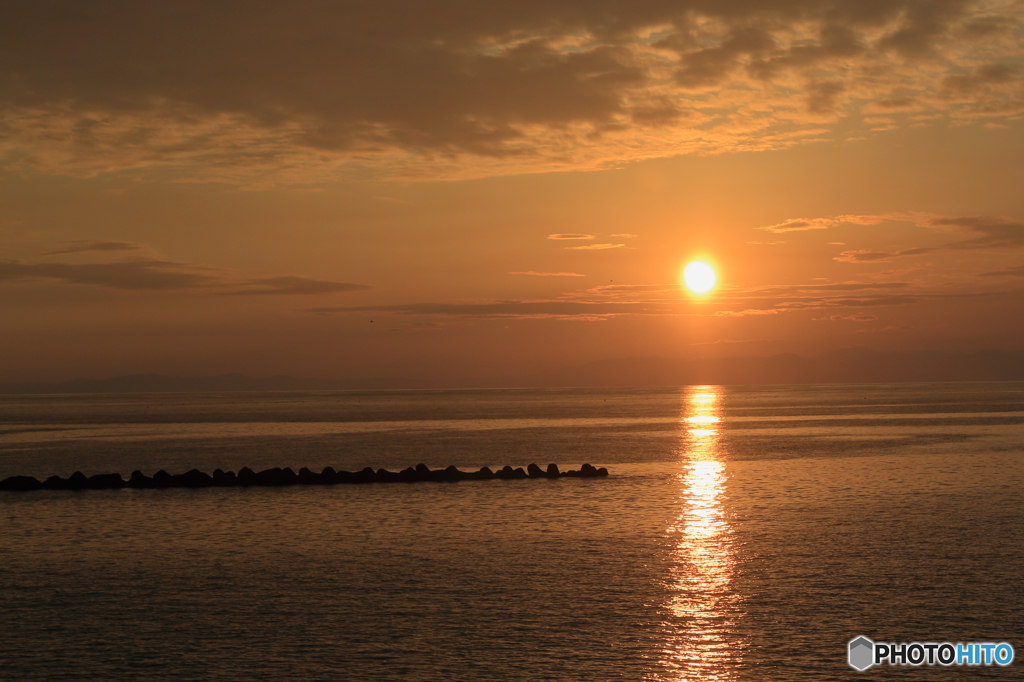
x=703, y=605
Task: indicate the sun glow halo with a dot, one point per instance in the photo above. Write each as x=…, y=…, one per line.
x=700, y=278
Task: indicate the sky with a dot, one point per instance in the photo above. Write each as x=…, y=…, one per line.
x=459, y=189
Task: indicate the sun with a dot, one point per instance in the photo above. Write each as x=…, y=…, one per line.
x=700, y=278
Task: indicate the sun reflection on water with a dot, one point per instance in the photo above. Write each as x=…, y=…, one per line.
x=703, y=606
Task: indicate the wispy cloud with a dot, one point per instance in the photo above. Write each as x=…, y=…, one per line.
x=162, y=275
x=846, y=318
x=731, y=342
x=993, y=232
x=800, y=225
x=838, y=286
x=990, y=232
x=548, y=274
x=83, y=246
x=868, y=256
x=1016, y=271
x=138, y=275
x=571, y=235
x=295, y=286
x=595, y=247
x=603, y=302
x=498, y=309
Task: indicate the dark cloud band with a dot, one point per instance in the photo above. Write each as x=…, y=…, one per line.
x=254, y=87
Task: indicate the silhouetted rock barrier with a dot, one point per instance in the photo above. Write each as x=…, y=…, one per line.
x=275, y=477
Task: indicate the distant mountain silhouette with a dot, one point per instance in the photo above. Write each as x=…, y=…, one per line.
x=850, y=365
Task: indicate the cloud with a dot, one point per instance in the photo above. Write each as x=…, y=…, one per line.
x=849, y=318
x=595, y=247
x=500, y=309
x=980, y=78
x=730, y=342
x=992, y=232
x=890, y=104
x=139, y=275
x=891, y=328
x=453, y=88
x=874, y=219
x=800, y=225
x=83, y=246
x=840, y=286
x=803, y=224
x=747, y=312
x=1016, y=271
x=996, y=231
x=296, y=286
x=867, y=256
x=160, y=275
x=629, y=292
x=570, y=236
x=625, y=235
x=604, y=302
x=548, y=274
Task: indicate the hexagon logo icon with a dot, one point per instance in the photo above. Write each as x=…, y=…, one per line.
x=861, y=653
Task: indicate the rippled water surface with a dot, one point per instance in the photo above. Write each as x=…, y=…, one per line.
x=744, y=534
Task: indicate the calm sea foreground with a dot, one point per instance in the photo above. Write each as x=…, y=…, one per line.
x=746, y=533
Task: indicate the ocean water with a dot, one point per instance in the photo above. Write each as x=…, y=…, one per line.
x=745, y=533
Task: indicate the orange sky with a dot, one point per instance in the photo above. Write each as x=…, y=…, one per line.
x=503, y=188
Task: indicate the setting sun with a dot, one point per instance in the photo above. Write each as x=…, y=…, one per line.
x=699, y=277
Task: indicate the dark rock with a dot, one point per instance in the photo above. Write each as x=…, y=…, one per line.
x=162, y=479
x=345, y=476
x=409, y=475
x=55, y=483
x=588, y=471
x=139, y=480
x=366, y=475
x=269, y=477
x=552, y=471
x=602, y=472
x=329, y=476
x=193, y=478
x=20, y=483
x=307, y=477
x=77, y=481
x=384, y=475
x=247, y=477
x=519, y=473
x=277, y=477
x=423, y=470
x=106, y=482
x=450, y=474
x=506, y=473
x=534, y=471
x=225, y=479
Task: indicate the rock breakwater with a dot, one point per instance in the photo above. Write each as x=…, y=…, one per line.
x=276, y=477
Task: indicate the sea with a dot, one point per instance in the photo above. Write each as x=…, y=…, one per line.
x=744, y=533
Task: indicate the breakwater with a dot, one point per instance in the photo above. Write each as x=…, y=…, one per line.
x=275, y=477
